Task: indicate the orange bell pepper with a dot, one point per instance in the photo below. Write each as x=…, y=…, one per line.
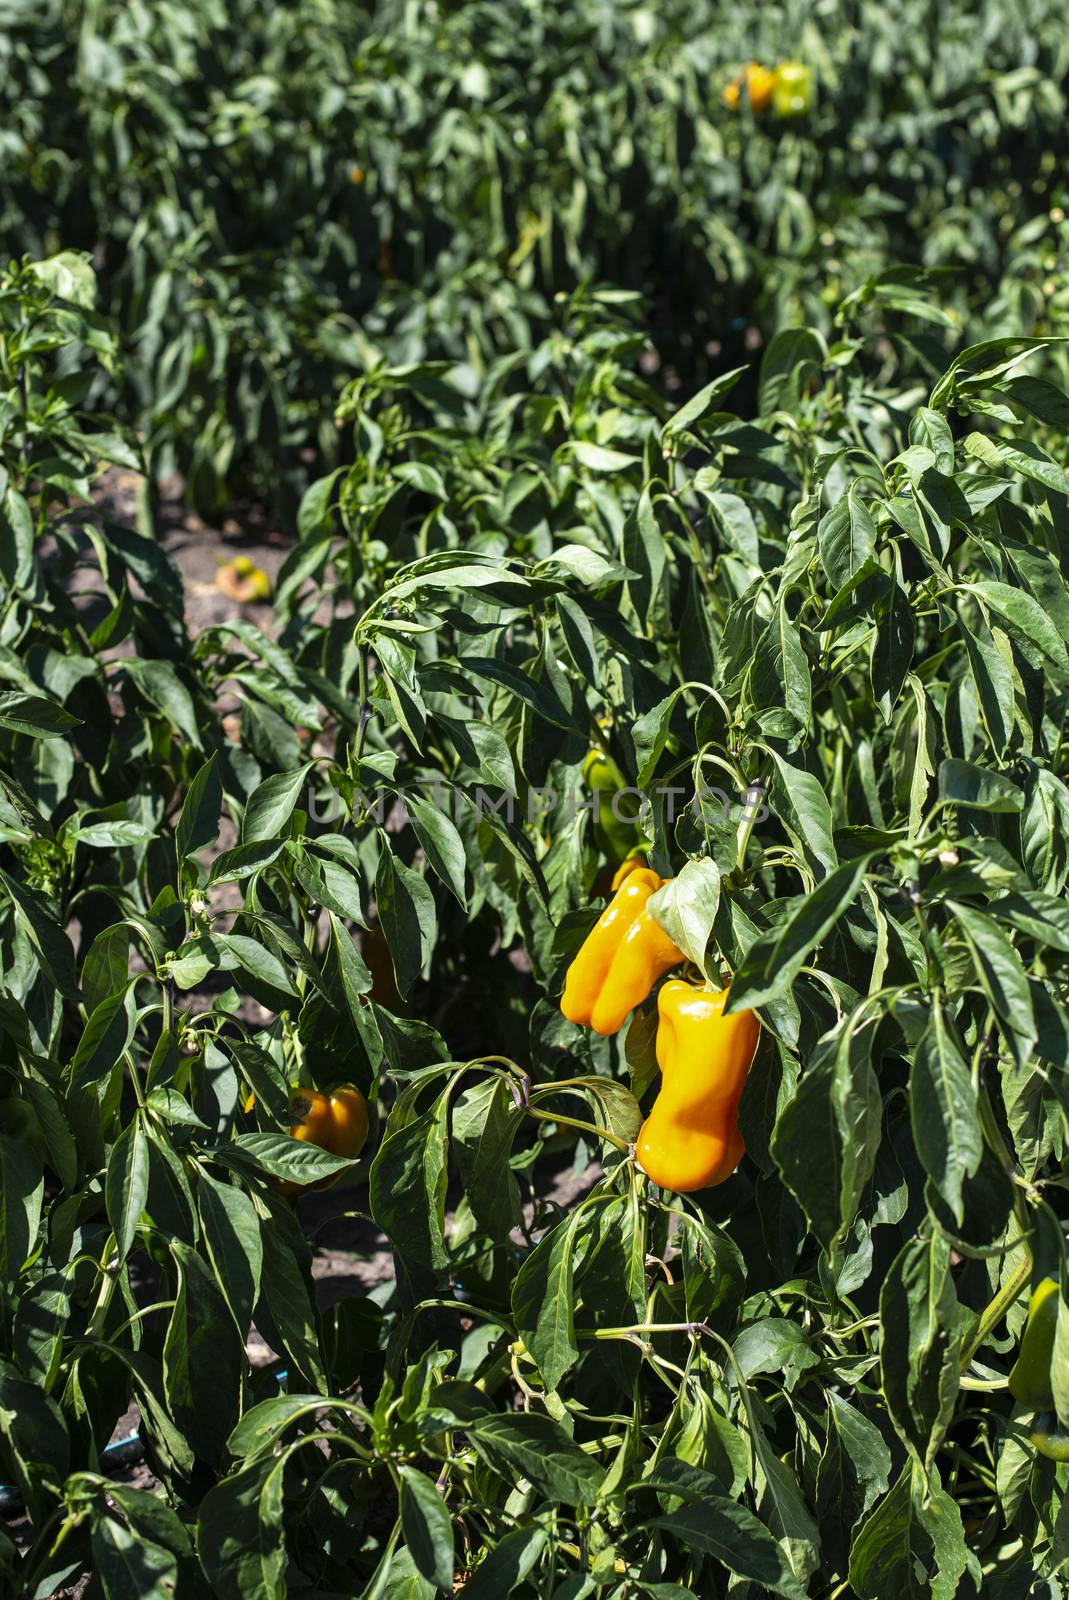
x=625, y=953
x=691, y=1139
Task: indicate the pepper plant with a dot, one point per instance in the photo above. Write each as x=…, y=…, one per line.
x=826, y=640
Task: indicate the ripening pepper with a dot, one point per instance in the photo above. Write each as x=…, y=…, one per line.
x=759, y=83
x=379, y=962
x=1030, y=1377
x=615, y=820
x=691, y=1139
x=1049, y=1437
x=337, y=1122
x=792, y=89
x=625, y=869
x=625, y=953
x=241, y=579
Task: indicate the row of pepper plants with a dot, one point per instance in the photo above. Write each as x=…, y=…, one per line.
x=276, y=196
x=827, y=642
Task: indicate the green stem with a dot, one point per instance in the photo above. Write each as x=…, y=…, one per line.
x=107, y=1288
x=994, y=1312
x=584, y=1127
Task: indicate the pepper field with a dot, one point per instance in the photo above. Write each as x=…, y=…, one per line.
x=449, y=450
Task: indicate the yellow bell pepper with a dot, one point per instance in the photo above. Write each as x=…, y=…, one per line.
x=625, y=869
x=691, y=1139
x=624, y=954
x=792, y=89
x=337, y=1122
x=759, y=83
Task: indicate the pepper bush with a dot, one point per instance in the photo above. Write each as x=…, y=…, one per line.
x=827, y=640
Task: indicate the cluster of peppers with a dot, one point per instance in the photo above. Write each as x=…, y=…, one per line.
x=690, y=1140
x=1030, y=1379
x=788, y=88
x=336, y=1122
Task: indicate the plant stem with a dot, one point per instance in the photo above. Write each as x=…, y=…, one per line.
x=994, y=1312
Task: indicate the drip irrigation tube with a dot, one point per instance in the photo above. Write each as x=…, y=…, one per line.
x=117, y=1455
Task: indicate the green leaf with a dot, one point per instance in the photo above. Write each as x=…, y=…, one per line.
x=999, y=967
x=1025, y=618
x=281, y=1156
x=645, y=554
x=541, y=699
x=511, y=1560
x=69, y=275
x=1043, y=917
x=774, y=1345
x=161, y=684
x=255, y=959
x=21, y=1196
x=271, y=805
x=803, y=807
x=534, y=1445
x=198, y=824
x=780, y=675
x=126, y=1185
x=286, y=1303
x=699, y=406
x=107, y=1036
x=963, y=784
x=106, y=967
x=911, y=1545
x=650, y=735
x=892, y=648
x=408, y=1183
x=774, y=960
x=203, y=1357
x=48, y=939
x=407, y=912
x=238, y=1540
x=126, y=1563
x=993, y=677
x=853, y=1472
x=543, y=1296
x=232, y=1239
x=599, y=459
x=686, y=908
x=846, y=538
x=920, y=1337
x=827, y=1136
x=486, y=1121
x=34, y=715
x=36, y=1448
x=428, y=1527
x=441, y=843
x=733, y=1536
x=944, y=1111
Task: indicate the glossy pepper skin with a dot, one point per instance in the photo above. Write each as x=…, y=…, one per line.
x=1030, y=1377
x=624, y=954
x=691, y=1139
x=1049, y=1437
x=758, y=82
x=625, y=869
x=337, y=1122
x=792, y=89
